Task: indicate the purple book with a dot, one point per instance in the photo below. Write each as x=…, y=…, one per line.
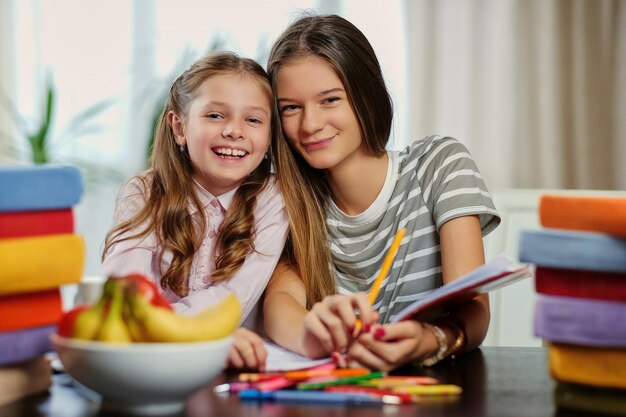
x=581, y=321
x=20, y=345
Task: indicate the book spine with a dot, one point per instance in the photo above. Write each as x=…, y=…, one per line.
x=594, y=285
x=39, y=263
x=580, y=321
x=24, y=379
x=589, y=251
x=599, y=367
x=26, y=310
x=594, y=214
x=21, y=345
x=36, y=223
x=39, y=187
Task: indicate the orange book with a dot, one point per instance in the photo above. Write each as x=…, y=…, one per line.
x=25, y=310
x=586, y=213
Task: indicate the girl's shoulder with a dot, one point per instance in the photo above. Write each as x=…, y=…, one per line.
x=271, y=191
x=430, y=144
x=137, y=186
x=424, y=151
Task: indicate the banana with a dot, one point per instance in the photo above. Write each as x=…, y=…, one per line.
x=113, y=328
x=157, y=324
x=88, y=322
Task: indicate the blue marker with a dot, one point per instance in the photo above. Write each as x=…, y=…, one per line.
x=319, y=397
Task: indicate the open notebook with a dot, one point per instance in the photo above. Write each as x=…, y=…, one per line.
x=496, y=274
x=281, y=359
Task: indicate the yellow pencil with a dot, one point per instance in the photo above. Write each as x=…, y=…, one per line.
x=430, y=390
x=384, y=270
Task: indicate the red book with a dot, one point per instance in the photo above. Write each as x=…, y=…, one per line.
x=36, y=223
x=26, y=310
x=594, y=285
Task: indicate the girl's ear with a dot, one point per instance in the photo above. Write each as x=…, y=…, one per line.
x=176, y=124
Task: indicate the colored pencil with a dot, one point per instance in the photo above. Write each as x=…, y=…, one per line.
x=384, y=270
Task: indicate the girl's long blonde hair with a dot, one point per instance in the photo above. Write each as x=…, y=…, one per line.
x=305, y=189
x=170, y=188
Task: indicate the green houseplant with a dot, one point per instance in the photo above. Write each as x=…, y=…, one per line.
x=37, y=136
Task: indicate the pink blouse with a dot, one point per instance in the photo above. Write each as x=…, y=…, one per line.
x=248, y=283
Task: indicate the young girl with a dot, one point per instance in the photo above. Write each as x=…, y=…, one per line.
x=341, y=186
x=207, y=218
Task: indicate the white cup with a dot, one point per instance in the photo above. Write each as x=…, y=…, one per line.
x=89, y=290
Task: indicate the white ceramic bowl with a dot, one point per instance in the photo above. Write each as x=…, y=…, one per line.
x=143, y=378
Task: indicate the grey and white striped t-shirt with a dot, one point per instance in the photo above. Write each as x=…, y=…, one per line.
x=428, y=183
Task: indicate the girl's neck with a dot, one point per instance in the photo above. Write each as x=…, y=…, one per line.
x=355, y=183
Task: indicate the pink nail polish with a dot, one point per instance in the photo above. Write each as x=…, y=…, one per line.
x=367, y=328
x=380, y=332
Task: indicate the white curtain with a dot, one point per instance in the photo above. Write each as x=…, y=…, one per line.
x=6, y=78
x=535, y=88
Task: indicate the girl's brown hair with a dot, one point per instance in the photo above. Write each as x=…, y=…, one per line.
x=169, y=186
x=304, y=189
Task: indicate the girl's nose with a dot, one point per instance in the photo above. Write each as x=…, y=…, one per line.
x=311, y=121
x=233, y=130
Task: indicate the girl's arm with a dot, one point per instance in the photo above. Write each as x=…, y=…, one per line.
x=389, y=346
x=284, y=309
x=327, y=327
x=461, y=252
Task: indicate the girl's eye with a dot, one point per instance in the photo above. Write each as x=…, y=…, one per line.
x=255, y=120
x=288, y=108
x=331, y=100
x=214, y=116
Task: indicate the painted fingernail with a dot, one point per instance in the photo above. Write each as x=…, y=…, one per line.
x=367, y=327
x=380, y=332
x=336, y=357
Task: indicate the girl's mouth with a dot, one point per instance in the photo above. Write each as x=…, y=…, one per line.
x=229, y=153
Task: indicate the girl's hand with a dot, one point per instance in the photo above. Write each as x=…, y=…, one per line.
x=247, y=351
x=329, y=325
x=389, y=346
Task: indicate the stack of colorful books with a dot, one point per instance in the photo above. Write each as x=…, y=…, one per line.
x=39, y=252
x=580, y=258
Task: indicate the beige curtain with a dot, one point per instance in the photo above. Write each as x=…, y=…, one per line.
x=536, y=89
x=6, y=80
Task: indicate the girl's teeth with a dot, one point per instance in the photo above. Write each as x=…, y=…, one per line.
x=228, y=151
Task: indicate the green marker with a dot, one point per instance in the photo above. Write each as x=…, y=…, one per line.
x=341, y=381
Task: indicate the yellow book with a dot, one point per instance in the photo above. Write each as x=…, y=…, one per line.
x=39, y=263
x=600, y=367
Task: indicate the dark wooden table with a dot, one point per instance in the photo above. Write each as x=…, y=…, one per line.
x=496, y=382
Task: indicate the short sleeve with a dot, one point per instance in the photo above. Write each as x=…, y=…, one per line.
x=452, y=185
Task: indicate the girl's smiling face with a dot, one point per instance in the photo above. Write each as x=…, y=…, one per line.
x=316, y=115
x=227, y=130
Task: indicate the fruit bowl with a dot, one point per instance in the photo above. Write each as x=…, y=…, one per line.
x=143, y=378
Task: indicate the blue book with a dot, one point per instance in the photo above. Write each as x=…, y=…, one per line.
x=39, y=187
x=22, y=345
x=555, y=248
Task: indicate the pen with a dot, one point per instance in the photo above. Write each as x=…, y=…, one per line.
x=254, y=377
x=324, y=397
x=340, y=381
x=430, y=390
x=341, y=373
x=378, y=392
x=399, y=381
x=384, y=270
x=273, y=384
x=231, y=387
